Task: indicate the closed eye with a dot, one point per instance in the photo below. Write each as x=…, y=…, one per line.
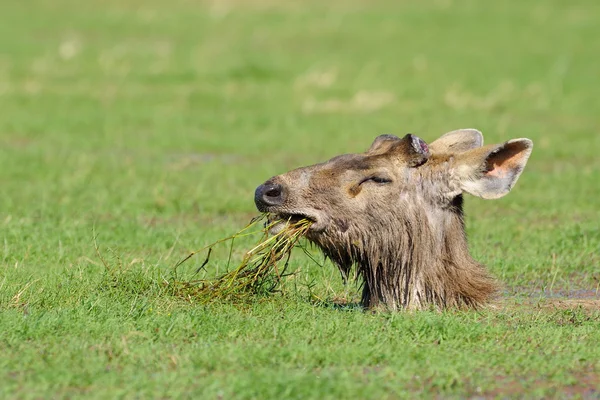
x=376, y=179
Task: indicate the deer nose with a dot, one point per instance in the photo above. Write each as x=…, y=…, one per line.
x=269, y=194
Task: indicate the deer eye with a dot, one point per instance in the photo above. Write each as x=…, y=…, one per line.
x=381, y=180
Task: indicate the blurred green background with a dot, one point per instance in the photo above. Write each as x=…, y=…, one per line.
x=150, y=123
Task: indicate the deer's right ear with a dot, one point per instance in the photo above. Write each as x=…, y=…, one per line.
x=382, y=144
x=457, y=141
x=490, y=172
x=411, y=150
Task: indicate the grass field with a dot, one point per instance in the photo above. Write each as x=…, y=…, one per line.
x=147, y=125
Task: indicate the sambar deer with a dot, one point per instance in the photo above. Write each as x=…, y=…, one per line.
x=396, y=213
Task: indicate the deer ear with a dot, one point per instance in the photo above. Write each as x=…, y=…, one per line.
x=411, y=150
x=457, y=141
x=382, y=144
x=490, y=172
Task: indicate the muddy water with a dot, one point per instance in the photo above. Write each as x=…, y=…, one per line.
x=557, y=299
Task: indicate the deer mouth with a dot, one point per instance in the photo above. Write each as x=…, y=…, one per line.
x=273, y=198
x=277, y=221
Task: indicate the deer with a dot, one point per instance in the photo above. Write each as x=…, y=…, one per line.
x=395, y=213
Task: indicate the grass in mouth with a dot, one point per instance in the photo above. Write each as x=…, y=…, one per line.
x=260, y=270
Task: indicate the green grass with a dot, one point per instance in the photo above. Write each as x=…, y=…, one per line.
x=148, y=124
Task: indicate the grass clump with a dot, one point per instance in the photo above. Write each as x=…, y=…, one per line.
x=258, y=273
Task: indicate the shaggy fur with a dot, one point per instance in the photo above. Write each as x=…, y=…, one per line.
x=396, y=214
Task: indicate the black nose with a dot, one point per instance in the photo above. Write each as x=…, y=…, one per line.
x=269, y=194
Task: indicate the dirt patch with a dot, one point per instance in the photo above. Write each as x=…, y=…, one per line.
x=569, y=304
x=557, y=300
x=563, y=299
x=586, y=386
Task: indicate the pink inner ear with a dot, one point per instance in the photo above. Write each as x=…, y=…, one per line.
x=505, y=162
x=497, y=171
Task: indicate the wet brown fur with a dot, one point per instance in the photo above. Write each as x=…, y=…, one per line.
x=405, y=237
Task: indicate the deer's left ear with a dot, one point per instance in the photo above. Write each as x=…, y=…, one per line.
x=490, y=172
